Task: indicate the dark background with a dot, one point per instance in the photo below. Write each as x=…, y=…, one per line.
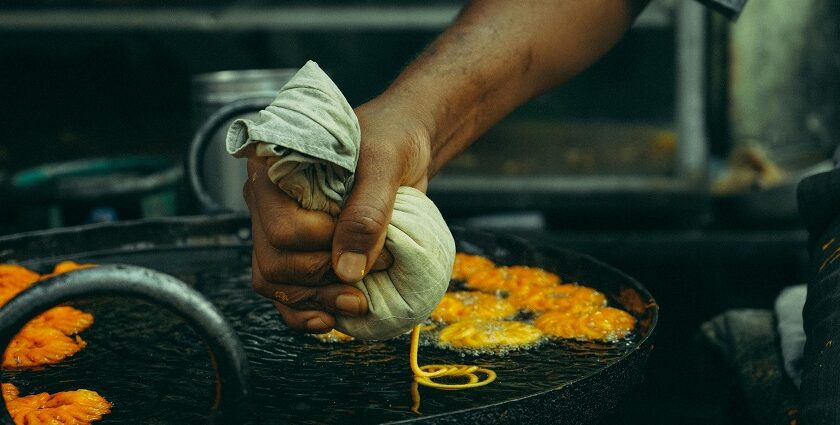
x=67, y=94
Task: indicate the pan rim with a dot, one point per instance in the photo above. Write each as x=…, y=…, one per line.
x=639, y=345
x=8, y=253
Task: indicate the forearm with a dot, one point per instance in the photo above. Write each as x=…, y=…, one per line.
x=497, y=55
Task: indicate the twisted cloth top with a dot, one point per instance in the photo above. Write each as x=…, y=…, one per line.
x=309, y=137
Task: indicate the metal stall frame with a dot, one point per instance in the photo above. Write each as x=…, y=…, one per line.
x=683, y=193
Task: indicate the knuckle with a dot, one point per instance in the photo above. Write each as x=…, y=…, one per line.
x=255, y=284
x=246, y=192
x=271, y=271
x=362, y=220
x=258, y=284
x=280, y=269
x=311, y=270
x=291, y=269
x=279, y=232
x=290, y=294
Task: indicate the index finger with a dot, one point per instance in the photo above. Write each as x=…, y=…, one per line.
x=286, y=224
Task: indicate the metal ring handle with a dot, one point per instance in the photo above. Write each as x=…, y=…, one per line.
x=226, y=351
x=202, y=139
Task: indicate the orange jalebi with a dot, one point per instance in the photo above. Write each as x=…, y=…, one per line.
x=9, y=392
x=67, y=266
x=68, y=320
x=13, y=280
x=44, y=340
x=49, y=337
x=78, y=407
x=36, y=346
x=603, y=324
x=479, y=334
x=513, y=278
x=333, y=336
x=461, y=305
x=566, y=297
x=467, y=265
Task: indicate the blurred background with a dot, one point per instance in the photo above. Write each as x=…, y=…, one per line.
x=674, y=158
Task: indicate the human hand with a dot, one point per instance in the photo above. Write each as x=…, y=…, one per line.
x=306, y=261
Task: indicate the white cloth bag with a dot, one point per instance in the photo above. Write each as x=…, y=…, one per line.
x=309, y=136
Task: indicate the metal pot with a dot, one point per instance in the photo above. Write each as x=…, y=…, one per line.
x=294, y=377
x=210, y=93
x=225, y=348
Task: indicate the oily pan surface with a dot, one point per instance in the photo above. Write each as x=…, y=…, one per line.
x=153, y=369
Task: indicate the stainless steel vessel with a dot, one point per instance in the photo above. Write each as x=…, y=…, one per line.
x=226, y=175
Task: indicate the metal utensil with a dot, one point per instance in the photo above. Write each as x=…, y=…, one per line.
x=298, y=379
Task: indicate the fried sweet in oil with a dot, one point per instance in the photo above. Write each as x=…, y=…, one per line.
x=513, y=278
x=604, y=324
x=78, y=407
x=467, y=265
x=426, y=374
x=479, y=334
x=566, y=297
x=9, y=392
x=67, y=266
x=462, y=305
x=333, y=336
x=16, y=276
x=6, y=296
x=68, y=320
x=45, y=339
x=13, y=280
x=35, y=346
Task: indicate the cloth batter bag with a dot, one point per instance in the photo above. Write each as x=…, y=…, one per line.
x=309, y=137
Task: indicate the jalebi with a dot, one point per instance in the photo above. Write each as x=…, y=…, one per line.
x=68, y=320
x=9, y=391
x=462, y=305
x=49, y=338
x=566, y=297
x=426, y=374
x=603, y=324
x=467, y=265
x=36, y=346
x=78, y=407
x=67, y=266
x=489, y=335
x=333, y=336
x=13, y=280
x=513, y=278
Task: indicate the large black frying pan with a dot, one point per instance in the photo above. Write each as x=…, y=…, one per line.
x=151, y=364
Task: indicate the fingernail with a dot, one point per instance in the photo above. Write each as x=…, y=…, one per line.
x=351, y=266
x=349, y=304
x=315, y=324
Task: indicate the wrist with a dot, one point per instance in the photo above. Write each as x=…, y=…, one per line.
x=440, y=110
x=411, y=108
x=399, y=129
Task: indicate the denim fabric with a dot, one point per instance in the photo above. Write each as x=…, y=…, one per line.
x=819, y=206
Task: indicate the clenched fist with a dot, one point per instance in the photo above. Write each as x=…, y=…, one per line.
x=307, y=261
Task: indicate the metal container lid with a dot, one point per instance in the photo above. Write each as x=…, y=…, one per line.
x=226, y=86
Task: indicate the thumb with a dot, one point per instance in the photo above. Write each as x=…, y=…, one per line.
x=361, y=226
